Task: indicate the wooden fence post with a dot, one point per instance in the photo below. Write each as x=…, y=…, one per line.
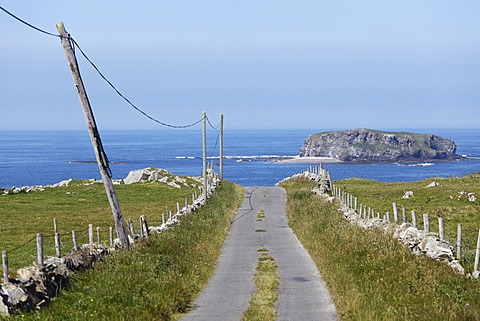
x=426, y=223
x=98, y=235
x=111, y=236
x=414, y=219
x=459, y=241
x=58, y=246
x=395, y=212
x=55, y=225
x=132, y=229
x=145, y=224
x=74, y=240
x=141, y=226
x=477, y=253
x=90, y=234
x=388, y=216
x=404, y=214
x=441, y=231
x=5, y=267
x=40, y=249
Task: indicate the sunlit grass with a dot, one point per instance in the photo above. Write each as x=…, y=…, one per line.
x=267, y=280
x=158, y=278
x=371, y=276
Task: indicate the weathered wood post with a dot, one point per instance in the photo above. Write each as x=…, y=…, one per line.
x=90, y=234
x=131, y=227
x=100, y=154
x=111, y=236
x=404, y=214
x=459, y=241
x=58, y=246
x=204, y=155
x=142, y=235
x=388, y=216
x=98, y=235
x=5, y=267
x=414, y=219
x=395, y=212
x=477, y=253
x=221, y=147
x=55, y=225
x=426, y=223
x=40, y=249
x=145, y=225
x=441, y=231
x=74, y=240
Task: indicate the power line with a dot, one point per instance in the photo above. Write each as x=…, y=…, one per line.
x=216, y=143
x=213, y=127
x=28, y=24
x=125, y=98
x=75, y=44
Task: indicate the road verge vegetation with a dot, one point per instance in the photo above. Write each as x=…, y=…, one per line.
x=370, y=275
x=160, y=277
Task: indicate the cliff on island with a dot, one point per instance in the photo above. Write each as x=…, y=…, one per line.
x=367, y=145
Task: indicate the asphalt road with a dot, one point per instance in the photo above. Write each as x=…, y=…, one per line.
x=302, y=294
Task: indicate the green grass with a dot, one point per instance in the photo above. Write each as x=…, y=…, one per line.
x=371, y=276
x=441, y=201
x=159, y=278
x=267, y=280
x=26, y=214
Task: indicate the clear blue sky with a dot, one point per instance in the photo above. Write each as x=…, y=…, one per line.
x=263, y=64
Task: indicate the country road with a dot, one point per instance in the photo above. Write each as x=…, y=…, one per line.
x=302, y=294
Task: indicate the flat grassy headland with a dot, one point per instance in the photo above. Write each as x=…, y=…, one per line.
x=157, y=279
x=370, y=275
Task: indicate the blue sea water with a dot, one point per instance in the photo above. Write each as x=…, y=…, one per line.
x=47, y=157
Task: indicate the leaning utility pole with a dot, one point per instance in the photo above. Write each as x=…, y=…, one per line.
x=221, y=147
x=94, y=137
x=204, y=144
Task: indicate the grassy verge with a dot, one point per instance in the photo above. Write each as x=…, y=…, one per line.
x=262, y=304
x=371, y=276
x=157, y=279
x=445, y=200
x=75, y=206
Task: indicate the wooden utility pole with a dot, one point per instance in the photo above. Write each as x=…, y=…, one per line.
x=204, y=144
x=221, y=147
x=94, y=137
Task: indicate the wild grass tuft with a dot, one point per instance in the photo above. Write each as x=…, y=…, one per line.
x=267, y=280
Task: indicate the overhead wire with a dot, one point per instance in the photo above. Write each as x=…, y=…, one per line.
x=28, y=24
x=75, y=44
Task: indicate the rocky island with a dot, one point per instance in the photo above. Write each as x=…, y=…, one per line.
x=367, y=145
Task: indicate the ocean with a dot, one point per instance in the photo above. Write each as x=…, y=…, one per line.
x=47, y=157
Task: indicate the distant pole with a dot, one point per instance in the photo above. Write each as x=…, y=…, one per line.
x=221, y=147
x=94, y=137
x=204, y=144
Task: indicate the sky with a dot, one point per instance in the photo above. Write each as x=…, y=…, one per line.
x=263, y=64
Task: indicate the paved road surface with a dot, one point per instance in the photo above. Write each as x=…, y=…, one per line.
x=302, y=294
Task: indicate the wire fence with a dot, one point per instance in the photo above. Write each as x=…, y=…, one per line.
x=467, y=253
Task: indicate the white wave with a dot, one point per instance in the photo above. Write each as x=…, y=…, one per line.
x=415, y=165
x=185, y=157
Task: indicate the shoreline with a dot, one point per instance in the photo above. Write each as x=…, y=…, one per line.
x=309, y=160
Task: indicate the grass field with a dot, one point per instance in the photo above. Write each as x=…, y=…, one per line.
x=158, y=278
x=369, y=275
x=24, y=215
x=449, y=200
